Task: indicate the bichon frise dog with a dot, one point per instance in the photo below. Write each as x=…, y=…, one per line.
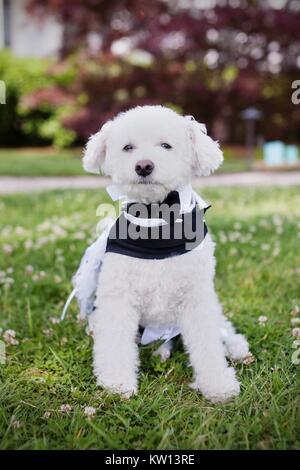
x=151, y=154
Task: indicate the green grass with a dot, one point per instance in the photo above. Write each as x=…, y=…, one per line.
x=257, y=274
x=40, y=162
x=51, y=162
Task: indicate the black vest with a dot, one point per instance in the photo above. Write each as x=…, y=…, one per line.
x=181, y=233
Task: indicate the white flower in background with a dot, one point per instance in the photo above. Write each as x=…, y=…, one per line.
x=46, y=415
x=66, y=408
x=15, y=423
x=54, y=320
x=296, y=332
x=79, y=236
x=90, y=411
x=223, y=237
x=20, y=231
x=262, y=320
x=29, y=270
x=28, y=245
x=2, y=275
x=295, y=311
x=57, y=279
x=279, y=230
x=48, y=332
x=8, y=249
x=248, y=359
x=265, y=247
x=63, y=341
x=9, y=337
x=276, y=251
x=295, y=321
x=42, y=274
x=10, y=270
x=237, y=225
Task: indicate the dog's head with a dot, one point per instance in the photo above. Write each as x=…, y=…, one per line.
x=151, y=150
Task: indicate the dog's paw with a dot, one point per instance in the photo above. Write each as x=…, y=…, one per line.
x=221, y=388
x=126, y=391
x=237, y=348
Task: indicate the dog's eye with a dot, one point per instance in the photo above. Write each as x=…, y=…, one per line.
x=166, y=146
x=128, y=148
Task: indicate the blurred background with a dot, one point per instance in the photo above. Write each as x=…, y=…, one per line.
x=69, y=65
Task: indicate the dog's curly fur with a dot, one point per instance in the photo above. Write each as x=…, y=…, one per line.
x=178, y=290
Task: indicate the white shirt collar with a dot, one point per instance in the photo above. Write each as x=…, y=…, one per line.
x=188, y=198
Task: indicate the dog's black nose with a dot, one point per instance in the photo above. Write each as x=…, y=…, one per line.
x=144, y=167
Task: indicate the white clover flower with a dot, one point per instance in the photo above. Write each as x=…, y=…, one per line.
x=46, y=415
x=29, y=270
x=296, y=332
x=63, y=341
x=276, y=251
x=9, y=337
x=66, y=408
x=20, y=231
x=15, y=423
x=79, y=236
x=295, y=321
x=295, y=311
x=8, y=249
x=248, y=359
x=90, y=411
x=262, y=320
x=54, y=320
x=57, y=279
x=28, y=244
x=265, y=247
x=48, y=332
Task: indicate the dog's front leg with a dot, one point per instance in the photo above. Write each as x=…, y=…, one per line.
x=115, y=349
x=201, y=335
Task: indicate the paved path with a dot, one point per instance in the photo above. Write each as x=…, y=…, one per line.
x=9, y=185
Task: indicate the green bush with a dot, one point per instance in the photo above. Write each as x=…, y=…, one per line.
x=36, y=101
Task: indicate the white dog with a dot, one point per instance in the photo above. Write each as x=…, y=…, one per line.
x=149, y=152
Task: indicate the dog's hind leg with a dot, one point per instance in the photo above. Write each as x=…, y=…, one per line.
x=201, y=336
x=164, y=351
x=236, y=345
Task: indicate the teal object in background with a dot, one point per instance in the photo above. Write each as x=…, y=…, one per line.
x=291, y=154
x=277, y=153
x=273, y=153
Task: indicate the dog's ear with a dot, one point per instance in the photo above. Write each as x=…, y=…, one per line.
x=206, y=153
x=95, y=150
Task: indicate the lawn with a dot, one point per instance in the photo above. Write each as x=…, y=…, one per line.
x=42, y=237
x=50, y=162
